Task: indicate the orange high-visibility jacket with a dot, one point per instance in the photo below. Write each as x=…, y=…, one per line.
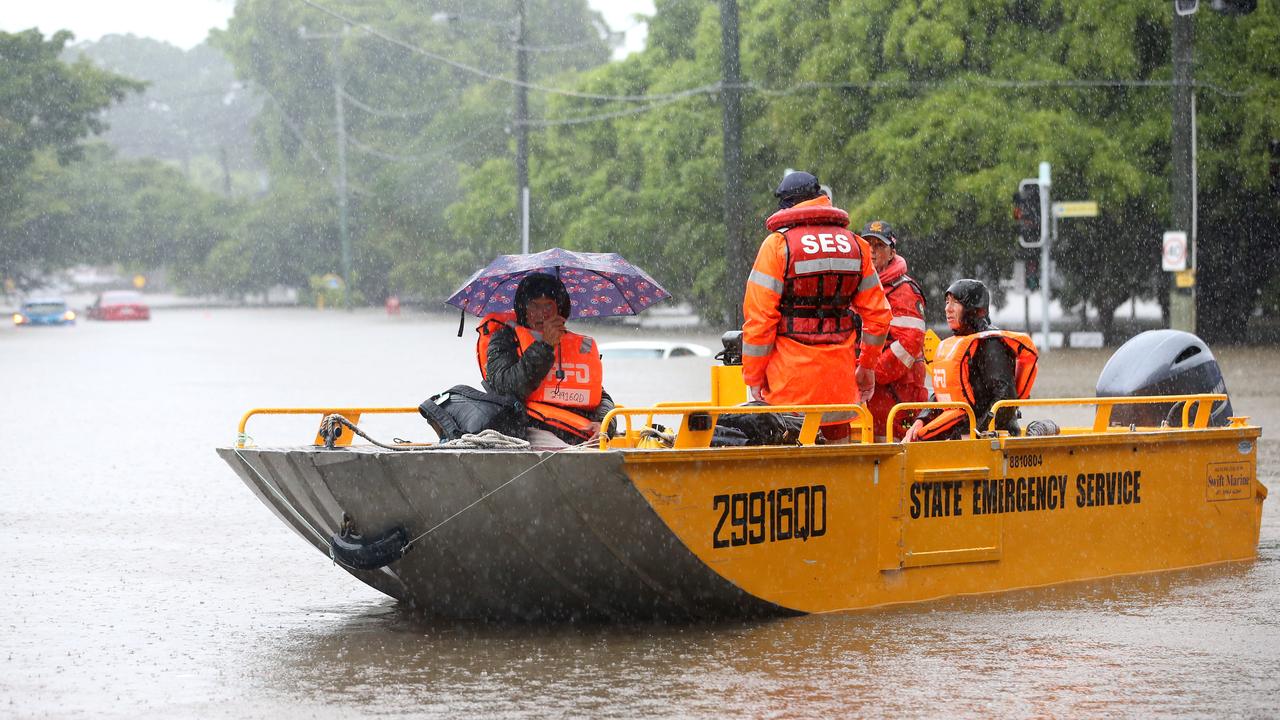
x=810, y=275
x=576, y=381
x=951, y=380
x=900, y=372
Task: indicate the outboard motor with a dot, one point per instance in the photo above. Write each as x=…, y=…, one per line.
x=1162, y=362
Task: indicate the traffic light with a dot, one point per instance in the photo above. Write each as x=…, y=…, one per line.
x=1030, y=260
x=1026, y=212
x=1032, y=269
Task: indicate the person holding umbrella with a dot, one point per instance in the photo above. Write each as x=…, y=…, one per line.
x=530, y=354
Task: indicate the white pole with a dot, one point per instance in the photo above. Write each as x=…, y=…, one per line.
x=1045, y=235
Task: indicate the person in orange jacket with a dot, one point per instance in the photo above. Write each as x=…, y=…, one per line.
x=811, y=278
x=979, y=365
x=900, y=372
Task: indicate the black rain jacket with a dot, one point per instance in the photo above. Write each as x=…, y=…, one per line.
x=512, y=373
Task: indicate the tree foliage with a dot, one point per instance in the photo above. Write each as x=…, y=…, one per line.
x=193, y=111
x=926, y=113
x=46, y=106
x=413, y=124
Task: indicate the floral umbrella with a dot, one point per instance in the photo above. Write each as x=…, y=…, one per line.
x=599, y=284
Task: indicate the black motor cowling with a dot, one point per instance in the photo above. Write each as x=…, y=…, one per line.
x=1162, y=362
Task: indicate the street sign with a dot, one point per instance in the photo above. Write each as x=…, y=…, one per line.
x=1173, y=258
x=1079, y=208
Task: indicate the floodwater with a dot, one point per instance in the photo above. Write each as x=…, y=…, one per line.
x=142, y=579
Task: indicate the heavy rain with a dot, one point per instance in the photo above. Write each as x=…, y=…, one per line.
x=282, y=204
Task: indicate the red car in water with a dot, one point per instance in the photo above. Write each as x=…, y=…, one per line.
x=119, y=305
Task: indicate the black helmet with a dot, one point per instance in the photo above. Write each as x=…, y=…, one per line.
x=541, y=285
x=976, y=300
x=797, y=187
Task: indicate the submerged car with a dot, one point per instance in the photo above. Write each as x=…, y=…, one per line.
x=119, y=305
x=656, y=349
x=45, y=311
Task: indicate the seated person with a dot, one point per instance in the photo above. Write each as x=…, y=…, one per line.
x=556, y=373
x=979, y=364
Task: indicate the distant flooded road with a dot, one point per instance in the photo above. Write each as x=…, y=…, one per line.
x=143, y=579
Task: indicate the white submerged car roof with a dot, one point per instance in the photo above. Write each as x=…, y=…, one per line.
x=657, y=346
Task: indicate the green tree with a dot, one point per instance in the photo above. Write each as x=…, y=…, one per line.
x=926, y=113
x=139, y=214
x=45, y=105
x=413, y=122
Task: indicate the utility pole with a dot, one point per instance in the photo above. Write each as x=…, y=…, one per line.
x=735, y=204
x=340, y=124
x=1182, y=300
x=522, y=127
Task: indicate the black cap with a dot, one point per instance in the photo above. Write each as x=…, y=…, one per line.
x=797, y=187
x=882, y=230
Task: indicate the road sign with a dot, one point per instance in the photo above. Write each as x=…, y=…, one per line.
x=1079, y=208
x=1174, y=256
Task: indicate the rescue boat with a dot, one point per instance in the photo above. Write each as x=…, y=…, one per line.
x=653, y=525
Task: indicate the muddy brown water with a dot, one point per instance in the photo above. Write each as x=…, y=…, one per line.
x=142, y=579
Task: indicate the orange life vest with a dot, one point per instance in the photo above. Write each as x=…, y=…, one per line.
x=824, y=269
x=576, y=380
x=950, y=368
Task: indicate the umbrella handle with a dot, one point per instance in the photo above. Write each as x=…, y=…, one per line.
x=559, y=364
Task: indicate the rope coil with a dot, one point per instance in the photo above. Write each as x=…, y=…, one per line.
x=332, y=424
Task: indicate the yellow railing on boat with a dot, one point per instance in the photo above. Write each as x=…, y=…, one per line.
x=698, y=421
x=350, y=413
x=956, y=405
x=1102, y=417
x=698, y=418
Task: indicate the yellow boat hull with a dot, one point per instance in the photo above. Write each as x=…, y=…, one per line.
x=745, y=532
x=825, y=529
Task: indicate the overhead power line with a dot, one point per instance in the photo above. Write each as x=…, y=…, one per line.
x=880, y=85
x=402, y=114
x=980, y=83
x=606, y=116
x=370, y=150
x=494, y=76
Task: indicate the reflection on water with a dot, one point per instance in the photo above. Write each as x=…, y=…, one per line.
x=1126, y=645
x=145, y=580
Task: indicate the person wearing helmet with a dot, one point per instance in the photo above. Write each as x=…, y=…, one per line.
x=529, y=354
x=811, y=281
x=900, y=372
x=979, y=365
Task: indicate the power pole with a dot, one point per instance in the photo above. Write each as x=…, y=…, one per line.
x=340, y=124
x=735, y=203
x=522, y=128
x=1182, y=300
